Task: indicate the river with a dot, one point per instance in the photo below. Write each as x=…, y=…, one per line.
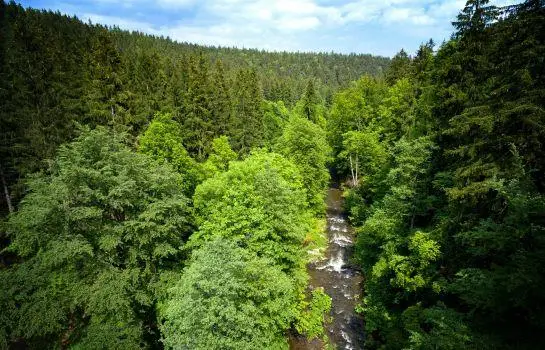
x=340, y=281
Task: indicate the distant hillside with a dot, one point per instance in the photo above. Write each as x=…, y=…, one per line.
x=283, y=75
x=57, y=72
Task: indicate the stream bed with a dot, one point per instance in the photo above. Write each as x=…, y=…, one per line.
x=340, y=281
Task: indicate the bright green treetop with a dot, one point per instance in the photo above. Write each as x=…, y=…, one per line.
x=305, y=144
x=219, y=157
x=228, y=298
x=163, y=141
x=259, y=203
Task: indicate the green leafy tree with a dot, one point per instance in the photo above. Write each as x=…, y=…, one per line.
x=305, y=144
x=353, y=109
x=365, y=155
x=163, y=141
x=399, y=262
x=275, y=116
x=228, y=298
x=219, y=157
x=94, y=235
x=314, y=315
x=260, y=203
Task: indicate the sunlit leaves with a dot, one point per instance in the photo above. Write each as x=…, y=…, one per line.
x=228, y=298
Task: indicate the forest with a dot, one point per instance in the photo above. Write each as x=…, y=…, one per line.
x=166, y=195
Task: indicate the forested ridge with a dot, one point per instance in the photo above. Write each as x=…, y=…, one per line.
x=158, y=194
x=57, y=72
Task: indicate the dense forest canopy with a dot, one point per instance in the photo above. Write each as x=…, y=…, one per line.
x=446, y=161
x=158, y=194
x=58, y=72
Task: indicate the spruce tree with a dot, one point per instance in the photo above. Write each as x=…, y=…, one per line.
x=247, y=120
x=105, y=94
x=197, y=122
x=221, y=103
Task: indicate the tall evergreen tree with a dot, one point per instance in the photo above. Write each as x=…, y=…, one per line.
x=105, y=94
x=399, y=68
x=196, y=119
x=310, y=105
x=475, y=17
x=221, y=101
x=247, y=121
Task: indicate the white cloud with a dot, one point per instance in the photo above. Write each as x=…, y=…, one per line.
x=416, y=16
x=177, y=4
x=296, y=24
x=120, y=22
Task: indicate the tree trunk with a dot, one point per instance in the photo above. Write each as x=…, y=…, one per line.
x=6, y=190
x=352, y=171
x=357, y=165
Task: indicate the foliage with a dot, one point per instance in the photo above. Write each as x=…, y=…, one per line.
x=316, y=240
x=275, y=116
x=353, y=109
x=258, y=203
x=310, y=105
x=305, y=144
x=228, y=298
x=450, y=238
x=95, y=232
x=247, y=122
x=163, y=141
x=57, y=71
x=315, y=314
x=444, y=152
x=220, y=156
x=365, y=155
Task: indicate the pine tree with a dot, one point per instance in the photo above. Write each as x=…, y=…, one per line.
x=309, y=104
x=197, y=122
x=475, y=17
x=247, y=122
x=399, y=67
x=105, y=93
x=221, y=101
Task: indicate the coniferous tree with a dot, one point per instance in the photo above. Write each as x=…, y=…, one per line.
x=221, y=101
x=475, y=17
x=310, y=105
x=105, y=93
x=399, y=68
x=197, y=122
x=247, y=121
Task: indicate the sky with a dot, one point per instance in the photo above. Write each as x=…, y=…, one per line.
x=379, y=27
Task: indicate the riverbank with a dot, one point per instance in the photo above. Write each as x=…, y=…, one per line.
x=339, y=280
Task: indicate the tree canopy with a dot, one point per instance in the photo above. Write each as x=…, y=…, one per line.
x=162, y=194
x=228, y=298
x=95, y=232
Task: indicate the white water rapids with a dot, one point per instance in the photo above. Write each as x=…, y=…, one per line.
x=340, y=281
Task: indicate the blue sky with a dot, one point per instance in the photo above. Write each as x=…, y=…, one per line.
x=379, y=27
